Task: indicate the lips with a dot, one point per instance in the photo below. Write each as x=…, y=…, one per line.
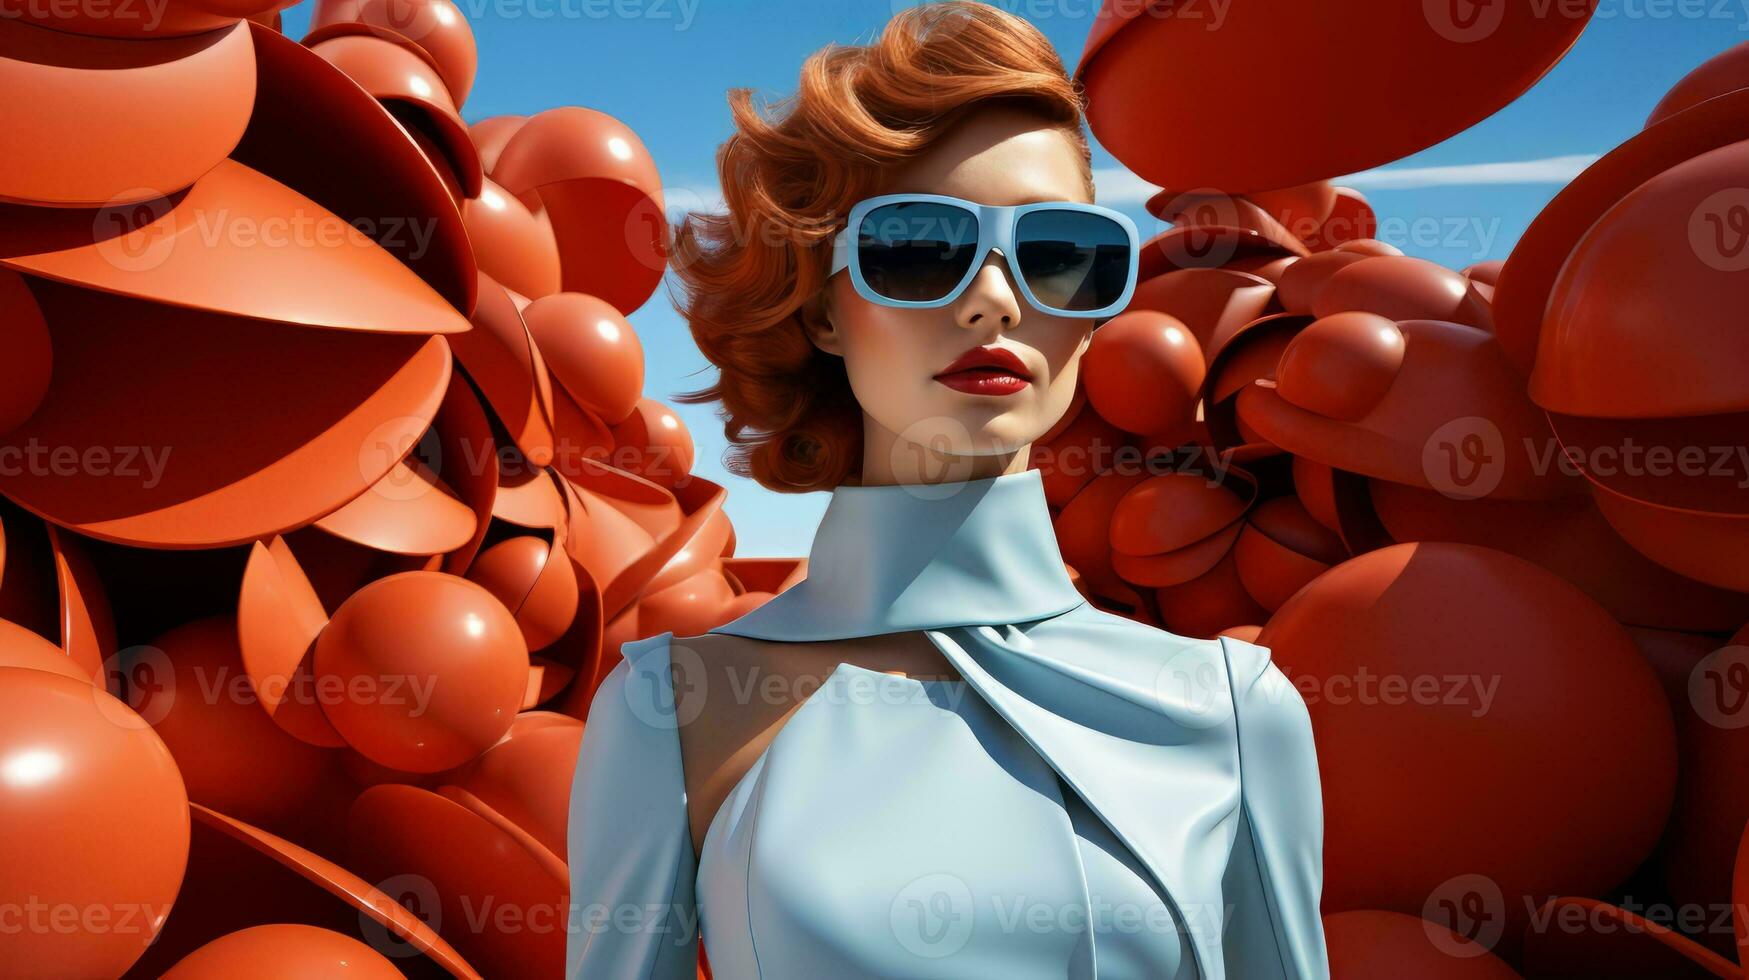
x=986, y=371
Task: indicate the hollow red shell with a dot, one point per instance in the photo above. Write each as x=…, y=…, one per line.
x=236, y=451
x=109, y=123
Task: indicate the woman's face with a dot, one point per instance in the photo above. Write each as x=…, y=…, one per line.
x=921, y=425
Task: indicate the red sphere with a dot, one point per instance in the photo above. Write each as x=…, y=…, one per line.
x=535, y=581
x=232, y=756
x=93, y=828
x=1340, y=366
x=1143, y=372
x=283, y=952
x=591, y=350
x=1475, y=715
x=433, y=669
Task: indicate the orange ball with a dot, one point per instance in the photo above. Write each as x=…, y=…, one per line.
x=437, y=27
x=432, y=668
x=1474, y=715
x=283, y=952
x=536, y=583
x=653, y=443
x=591, y=351
x=191, y=685
x=93, y=828
x=20, y=647
x=1143, y=372
x=1340, y=366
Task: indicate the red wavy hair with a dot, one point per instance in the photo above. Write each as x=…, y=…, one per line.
x=789, y=175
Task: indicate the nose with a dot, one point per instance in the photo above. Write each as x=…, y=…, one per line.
x=989, y=302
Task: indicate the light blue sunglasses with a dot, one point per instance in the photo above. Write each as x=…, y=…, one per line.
x=921, y=251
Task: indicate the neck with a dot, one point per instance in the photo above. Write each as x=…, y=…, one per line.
x=889, y=459
x=888, y=559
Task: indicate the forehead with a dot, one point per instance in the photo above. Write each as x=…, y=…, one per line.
x=999, y=156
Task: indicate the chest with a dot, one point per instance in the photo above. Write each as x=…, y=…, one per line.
x=898, y=828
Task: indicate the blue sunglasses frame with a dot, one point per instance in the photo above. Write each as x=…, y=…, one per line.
x=996, y=227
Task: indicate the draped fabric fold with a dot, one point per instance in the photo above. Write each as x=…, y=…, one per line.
x=1144, y=726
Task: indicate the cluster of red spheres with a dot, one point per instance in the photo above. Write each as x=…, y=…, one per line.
x=1521, y=644
x=320, y=543
x=304, y=592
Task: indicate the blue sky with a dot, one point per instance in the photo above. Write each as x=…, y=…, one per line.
x=664, y=66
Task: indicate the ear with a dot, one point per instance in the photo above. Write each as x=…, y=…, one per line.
x=816, y=317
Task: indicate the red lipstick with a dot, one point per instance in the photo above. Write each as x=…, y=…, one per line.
x=986, y=371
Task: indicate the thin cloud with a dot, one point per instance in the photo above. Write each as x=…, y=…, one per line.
x=1117, y=185
x=1549, y=170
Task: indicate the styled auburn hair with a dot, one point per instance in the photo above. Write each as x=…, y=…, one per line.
x=789, y=176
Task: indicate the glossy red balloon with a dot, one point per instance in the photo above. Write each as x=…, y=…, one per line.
x=83, y=779
x=434, y=668
x=490, y=135
x=1143, y=371
x=1454, y=65
x=284, y=951
x=1351, y=218
x=1723, y=73
x=1209, y=302
x=653, y=443
x=534, y=579
x=438, y=28
x=513, y=245
x=1446, y=682
x=1455, y=419
x=20, y=647
x=1340, y=366
x=598, y=183
x=1399, y=287
x=1083, y=529
x=592, y=351
x=1303, y=281
x=1302, y=210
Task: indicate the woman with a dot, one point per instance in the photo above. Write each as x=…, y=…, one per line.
x=931, y=758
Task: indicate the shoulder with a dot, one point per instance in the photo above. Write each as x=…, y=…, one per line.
x=1270, y=711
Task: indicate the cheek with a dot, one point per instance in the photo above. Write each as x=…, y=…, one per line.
x=886, y=346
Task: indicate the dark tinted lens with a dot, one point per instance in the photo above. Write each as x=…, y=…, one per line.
x=1073, y=260
x=916, y=252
